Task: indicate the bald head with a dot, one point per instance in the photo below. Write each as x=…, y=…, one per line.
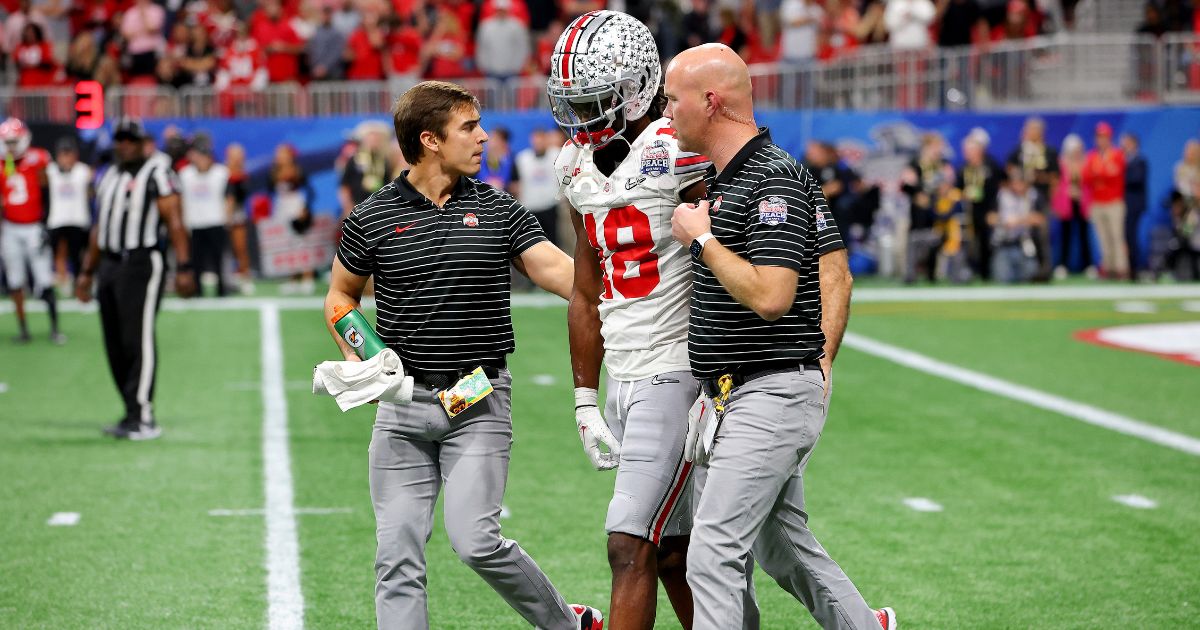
x=715, y=68
x=709, y=97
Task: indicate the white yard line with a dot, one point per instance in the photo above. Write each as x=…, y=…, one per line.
x=1057, y=404
x=1135, y=501
x=285, y=602
x=921, y=504
x=63, y=519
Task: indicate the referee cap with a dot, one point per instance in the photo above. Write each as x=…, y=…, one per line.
x=129, y=128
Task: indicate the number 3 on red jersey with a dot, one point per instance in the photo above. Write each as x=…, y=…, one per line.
x=628, y=242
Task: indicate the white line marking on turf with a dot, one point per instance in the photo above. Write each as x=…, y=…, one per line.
x=297, y=511
x=1136, y=306
x=1135, y=501
x=1070, y=408
x=285, y=602
x=64, y=519
x=545, y=380
x=921, y=504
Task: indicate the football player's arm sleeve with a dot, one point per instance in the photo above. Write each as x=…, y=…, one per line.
x=583, y=311
x=688, y=169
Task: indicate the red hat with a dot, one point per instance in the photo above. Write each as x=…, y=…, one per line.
x=1103, y=129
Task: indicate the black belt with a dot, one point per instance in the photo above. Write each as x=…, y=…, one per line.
x=710, y=388
x=124, y=255
x=441, y=379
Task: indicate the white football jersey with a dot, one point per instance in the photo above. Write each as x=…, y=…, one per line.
x=647, y=273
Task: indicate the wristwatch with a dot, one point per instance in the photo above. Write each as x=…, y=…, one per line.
x=697, y=247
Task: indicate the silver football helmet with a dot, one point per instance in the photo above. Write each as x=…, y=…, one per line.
x=604, y=72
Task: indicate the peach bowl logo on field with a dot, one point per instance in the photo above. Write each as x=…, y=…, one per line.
x=1172, y=341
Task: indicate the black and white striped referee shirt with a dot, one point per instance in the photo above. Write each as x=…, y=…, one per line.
x=128, y=200
x=769, y=210
x=442, y=282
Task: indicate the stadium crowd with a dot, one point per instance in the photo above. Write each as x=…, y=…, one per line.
x=237, y=42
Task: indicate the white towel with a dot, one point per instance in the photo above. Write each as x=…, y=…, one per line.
x=354, y=383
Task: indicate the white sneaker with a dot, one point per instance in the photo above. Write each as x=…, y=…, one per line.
x=288, y=288
x=1060, y=273
x=1091, y=272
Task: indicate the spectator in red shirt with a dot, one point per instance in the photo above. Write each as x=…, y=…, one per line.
x=274, y=33
x=445, y=52
x=243, y=63
x=404, y=51
x=1104, y=176
x=365, y=49
x=34, y=59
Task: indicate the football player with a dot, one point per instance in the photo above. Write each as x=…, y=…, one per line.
x=623, y=174
x=24, y=242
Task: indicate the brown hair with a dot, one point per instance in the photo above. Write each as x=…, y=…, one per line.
x=427, y=106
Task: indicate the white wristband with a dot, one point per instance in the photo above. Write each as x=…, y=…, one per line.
x=704, y=238
x=585, y=397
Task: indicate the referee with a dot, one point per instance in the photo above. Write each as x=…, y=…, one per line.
x=138, y=199
x=769, y=305
x=438, y=244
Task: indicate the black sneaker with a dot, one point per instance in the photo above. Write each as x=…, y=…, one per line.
x=22, y=339
x=136, y=431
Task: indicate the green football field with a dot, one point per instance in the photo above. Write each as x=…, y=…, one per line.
x=985, y=505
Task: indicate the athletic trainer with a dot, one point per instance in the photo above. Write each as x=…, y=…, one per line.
x=439, y=244
x=770, y=299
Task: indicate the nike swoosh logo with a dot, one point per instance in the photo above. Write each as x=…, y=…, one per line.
x=662, y=381
x=401, y=229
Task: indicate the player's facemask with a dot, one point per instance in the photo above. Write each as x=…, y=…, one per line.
x=590, y=120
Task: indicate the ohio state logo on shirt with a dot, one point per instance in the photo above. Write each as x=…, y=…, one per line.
x=470, y=220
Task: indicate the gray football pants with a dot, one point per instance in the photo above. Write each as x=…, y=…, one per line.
x=416, y=450
x=751, y=507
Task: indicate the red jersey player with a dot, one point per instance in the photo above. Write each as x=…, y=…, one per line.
x=23, y=241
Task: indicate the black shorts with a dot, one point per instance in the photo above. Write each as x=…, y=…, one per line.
x=75, y=239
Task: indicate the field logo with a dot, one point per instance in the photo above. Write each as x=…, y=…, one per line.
x=772, y=211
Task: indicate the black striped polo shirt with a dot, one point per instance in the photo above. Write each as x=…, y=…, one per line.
x=442, y=282
x=769, y=210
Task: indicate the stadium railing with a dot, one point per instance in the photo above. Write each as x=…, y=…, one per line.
x=1053, y=72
